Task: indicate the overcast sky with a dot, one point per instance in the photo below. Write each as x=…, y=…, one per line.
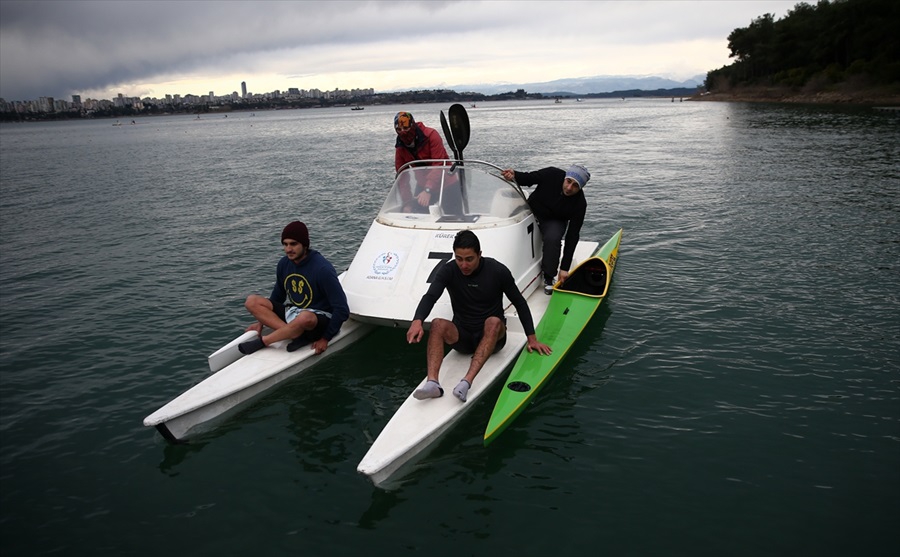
x=99, y=49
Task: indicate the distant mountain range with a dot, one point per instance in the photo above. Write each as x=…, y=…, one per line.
x=583, y=85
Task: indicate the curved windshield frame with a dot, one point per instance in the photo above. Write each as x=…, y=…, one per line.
x=450, y=194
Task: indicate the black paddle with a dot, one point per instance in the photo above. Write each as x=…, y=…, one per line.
x=459, y=131
x=449, y=135
x=459, y=125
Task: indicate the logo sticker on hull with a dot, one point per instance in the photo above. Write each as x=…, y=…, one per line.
x=385, y=266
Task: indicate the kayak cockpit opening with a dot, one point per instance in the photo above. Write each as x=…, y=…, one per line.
x=454, y=194
x=590, y=278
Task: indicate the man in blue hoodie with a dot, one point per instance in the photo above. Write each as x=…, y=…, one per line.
x=307, y=303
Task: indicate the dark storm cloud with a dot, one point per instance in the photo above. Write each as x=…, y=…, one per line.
x=54, y=48
x=57, y=48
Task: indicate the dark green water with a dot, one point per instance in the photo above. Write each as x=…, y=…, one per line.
x=738, y=393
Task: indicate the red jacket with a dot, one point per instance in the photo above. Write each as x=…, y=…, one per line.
x=428, y=145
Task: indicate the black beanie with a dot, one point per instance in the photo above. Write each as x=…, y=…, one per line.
x=296, y=231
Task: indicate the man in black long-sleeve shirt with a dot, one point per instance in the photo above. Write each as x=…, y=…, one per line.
x=476, y=285
x=558, y=203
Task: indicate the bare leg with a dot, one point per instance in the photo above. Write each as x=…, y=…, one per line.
x=442, y=332
x=306, y=321
x=493, y=331
x=261, y=308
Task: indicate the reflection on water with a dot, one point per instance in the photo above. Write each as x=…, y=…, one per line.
x=174, y=455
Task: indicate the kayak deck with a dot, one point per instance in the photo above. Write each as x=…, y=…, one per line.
x=571, y=307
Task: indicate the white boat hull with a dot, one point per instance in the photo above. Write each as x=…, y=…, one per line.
x=391, y=270
x=239, y=379
x=418, y=424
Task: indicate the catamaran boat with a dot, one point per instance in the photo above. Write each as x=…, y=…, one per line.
x=405, y=245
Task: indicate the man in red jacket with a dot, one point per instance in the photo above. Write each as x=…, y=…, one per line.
x=418, y=142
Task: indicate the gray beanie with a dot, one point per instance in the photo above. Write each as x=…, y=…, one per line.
x=578, y=173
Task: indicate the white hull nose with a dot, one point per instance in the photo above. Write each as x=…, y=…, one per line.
x=393, y=268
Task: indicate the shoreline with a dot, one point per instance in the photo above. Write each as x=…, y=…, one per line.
x=888, y=97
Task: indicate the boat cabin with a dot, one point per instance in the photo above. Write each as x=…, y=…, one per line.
x=413, y=234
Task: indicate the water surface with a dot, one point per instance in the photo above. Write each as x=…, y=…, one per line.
x=737, y=394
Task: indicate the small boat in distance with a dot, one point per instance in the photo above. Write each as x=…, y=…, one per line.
x=357, y=107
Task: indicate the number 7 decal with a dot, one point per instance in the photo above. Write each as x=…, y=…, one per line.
x=530, y=232
x=443, y=257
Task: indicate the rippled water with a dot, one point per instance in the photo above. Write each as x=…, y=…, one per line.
x=737, y=394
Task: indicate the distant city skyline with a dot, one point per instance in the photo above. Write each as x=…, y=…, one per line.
x=582, y=85
x=51, y=104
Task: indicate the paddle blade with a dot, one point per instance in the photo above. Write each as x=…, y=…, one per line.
x=459, y=125
x=449, y=135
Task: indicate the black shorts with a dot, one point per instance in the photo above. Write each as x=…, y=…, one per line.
x=469, y=340
x=316, y=332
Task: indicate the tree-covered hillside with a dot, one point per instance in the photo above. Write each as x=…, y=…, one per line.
x=834, y=41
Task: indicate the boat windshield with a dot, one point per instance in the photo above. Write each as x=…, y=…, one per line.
x=452, y=195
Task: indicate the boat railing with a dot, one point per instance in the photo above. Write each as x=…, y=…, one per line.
x=461, y=194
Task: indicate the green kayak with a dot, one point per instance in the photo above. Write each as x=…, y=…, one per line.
x=572, y=304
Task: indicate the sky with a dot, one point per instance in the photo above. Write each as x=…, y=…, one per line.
x=99, y=49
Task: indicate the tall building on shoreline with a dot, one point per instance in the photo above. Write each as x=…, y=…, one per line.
x=179, y=102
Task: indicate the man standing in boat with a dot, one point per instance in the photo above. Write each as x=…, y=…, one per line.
x=418, y=142
x=559, y=205
x=307, y=303
x=476, y=286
